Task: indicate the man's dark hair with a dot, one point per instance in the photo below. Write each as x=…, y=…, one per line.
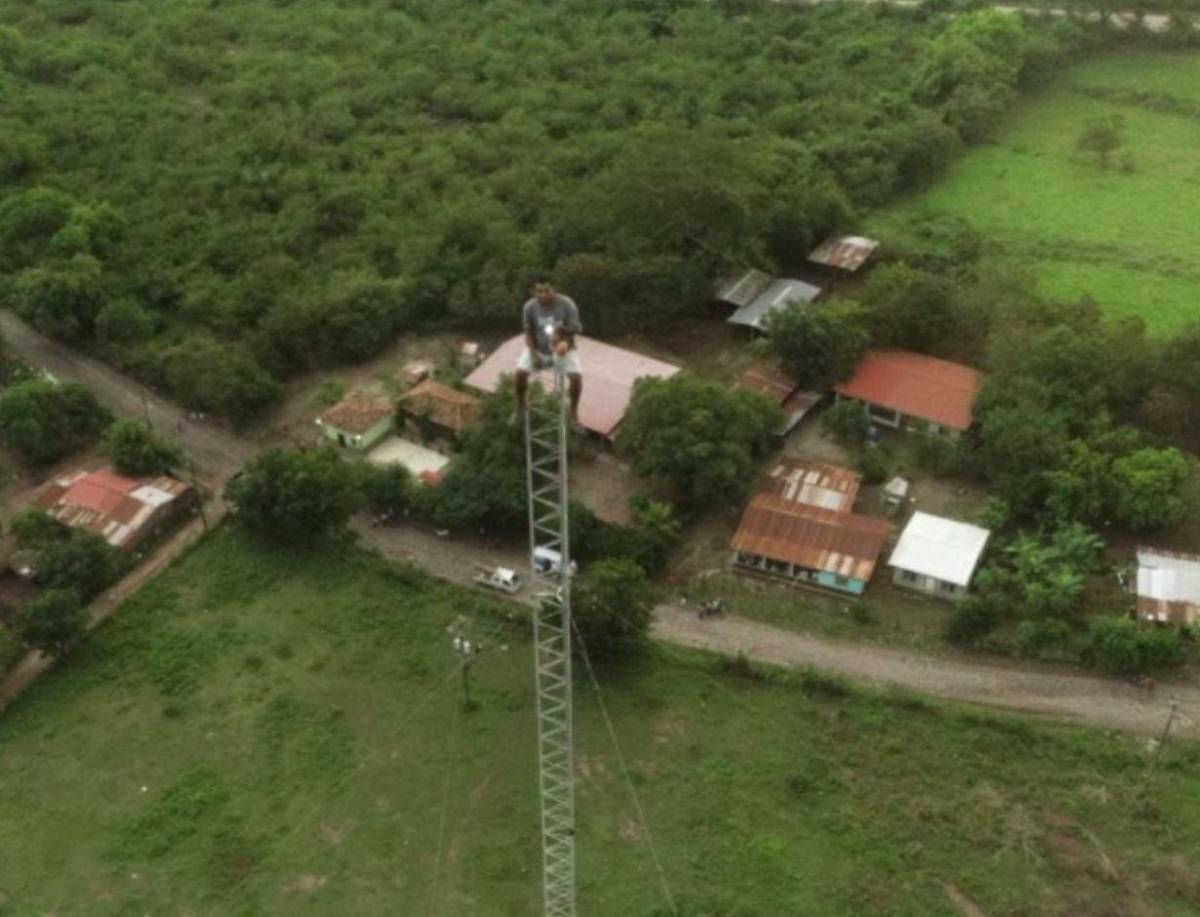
x=543, y=277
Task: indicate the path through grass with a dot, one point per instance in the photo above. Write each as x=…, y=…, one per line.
x=264, y=734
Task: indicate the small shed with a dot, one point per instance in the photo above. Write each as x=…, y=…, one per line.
x=806, y=545
x=358, y=421
x=937, y=556
x=778, y=293
x=776, y=385
x=1168, y=586
x=845, y=253
x=446, y=408
x=470, y=355
x=414, y=372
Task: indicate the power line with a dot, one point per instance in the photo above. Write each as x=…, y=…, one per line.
x=637, y=802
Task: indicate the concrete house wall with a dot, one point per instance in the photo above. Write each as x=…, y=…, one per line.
x=928, y=585
x=362, y=441
x=796, y=574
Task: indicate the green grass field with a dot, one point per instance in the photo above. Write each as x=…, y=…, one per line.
x=261, y=734
x=1128, y=239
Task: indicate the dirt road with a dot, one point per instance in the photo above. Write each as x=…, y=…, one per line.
x=217, y=452
x=1102, y=702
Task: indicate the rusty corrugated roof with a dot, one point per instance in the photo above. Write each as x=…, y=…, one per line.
x=845, y=544
x=847, y=253
x=916, y=385
x=816, y=484
x=445, y=406
x=109, y=504
x=767, y=380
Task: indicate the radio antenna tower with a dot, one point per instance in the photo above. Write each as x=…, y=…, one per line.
x=551, y=569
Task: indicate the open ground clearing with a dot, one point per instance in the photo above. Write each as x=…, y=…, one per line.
x=257, y=732
x=1125, y=238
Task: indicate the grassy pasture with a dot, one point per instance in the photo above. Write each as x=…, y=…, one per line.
x=295, y=724
x=1125, y=238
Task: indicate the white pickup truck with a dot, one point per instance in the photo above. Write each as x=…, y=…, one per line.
x=500, y=578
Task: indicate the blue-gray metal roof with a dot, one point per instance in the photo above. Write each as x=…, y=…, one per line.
x=778, y=294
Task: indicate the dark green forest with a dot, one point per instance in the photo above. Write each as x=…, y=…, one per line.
x=217, y=196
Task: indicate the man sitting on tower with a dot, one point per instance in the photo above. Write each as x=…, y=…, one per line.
x=551, y=321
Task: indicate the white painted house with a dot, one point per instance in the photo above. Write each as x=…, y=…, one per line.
x=938, y=556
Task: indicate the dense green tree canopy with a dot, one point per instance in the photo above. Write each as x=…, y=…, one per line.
x=135, y=449
x=221, y=195
x=295, y=494
x=820, y=344
x=701, y=438
x=52, y=622
x=44, y=421
x=612, y=607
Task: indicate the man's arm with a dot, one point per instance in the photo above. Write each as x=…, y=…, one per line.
x=530, y=334
x=571, y=326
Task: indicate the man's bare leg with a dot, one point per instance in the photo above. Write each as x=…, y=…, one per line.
x=575, y=381
x=520, y=389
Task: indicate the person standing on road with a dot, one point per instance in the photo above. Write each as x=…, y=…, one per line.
x=551, y=321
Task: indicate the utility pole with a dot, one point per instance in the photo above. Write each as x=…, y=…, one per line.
x=546, y=477
x=1162, y=743
x=466, y=649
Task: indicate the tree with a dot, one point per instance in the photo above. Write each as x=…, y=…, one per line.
x=52, y=622
x=485, y=484
x=1149, y=486
x=1102, y=136
x=818, y=346
x=387, y=489
x=701, y=438
x=34, y=528
x=222, y=378
x=295, y=494
x=83, y=562
x=611, y=606
x=911, y=309
x=1119, y=646
x=45, y=421
x=846, y=421
x=136, y=450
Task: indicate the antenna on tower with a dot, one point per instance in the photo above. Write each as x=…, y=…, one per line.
x=551, y=569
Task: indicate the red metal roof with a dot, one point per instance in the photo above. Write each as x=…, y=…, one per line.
x=916, y=385
x=846, y=544
x=608, y=377
x=116, y=507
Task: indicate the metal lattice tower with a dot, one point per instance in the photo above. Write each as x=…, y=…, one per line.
x=546, y=469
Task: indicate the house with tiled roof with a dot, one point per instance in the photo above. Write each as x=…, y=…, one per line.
x=901, y=389
x=446, y=408
x=358, y=421
x=124, y=511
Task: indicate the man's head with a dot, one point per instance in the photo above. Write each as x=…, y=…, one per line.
x=544, y=290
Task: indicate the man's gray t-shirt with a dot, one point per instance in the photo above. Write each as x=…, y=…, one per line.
x=542, y=323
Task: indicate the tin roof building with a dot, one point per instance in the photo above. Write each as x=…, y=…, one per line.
x=773, y=383
x=816, y=484
x=807, y=545
x=609, y=374
x=447, y=407
x=121, y=510
x=938, y=556
x=1168, y=586
x=898, y=386
x=846, y=253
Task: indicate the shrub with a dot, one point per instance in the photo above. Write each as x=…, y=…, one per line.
x=611, y=607
x=10, y=648
x=873, y=466
x=136, y=450
x=45, y=421
x=83, y=562
x=974, y=619
x=1043, y=636
x=846, y=422
x=35, y=528
x=295, y=494
x=387, y=489
x=1118, y=646
x=937, y=453
x=53, y=621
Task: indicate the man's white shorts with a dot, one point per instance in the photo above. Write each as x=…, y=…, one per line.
x=570, y=362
